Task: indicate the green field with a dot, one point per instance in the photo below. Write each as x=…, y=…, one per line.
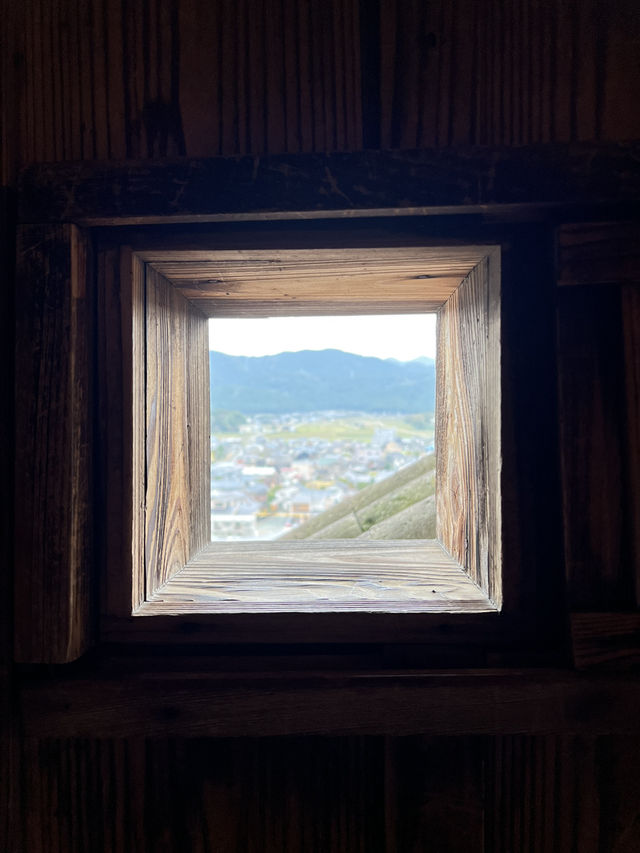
x=353, y=428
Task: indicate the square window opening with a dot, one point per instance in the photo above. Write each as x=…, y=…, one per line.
x=178, y=569
x=323, y=427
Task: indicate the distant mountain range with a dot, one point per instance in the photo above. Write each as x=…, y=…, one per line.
x=313, y=380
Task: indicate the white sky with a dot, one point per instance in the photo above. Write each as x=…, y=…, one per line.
x=401, y=336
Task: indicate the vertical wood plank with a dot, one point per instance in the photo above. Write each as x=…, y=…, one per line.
x=559, y=793
x=177, y=432
x=108, y=80
x=53, y=502
x=468, y=428
x=507, y=72
x=618, y=69
x=121, y=425
x=593, y=448
x=259, y=796
x=12, y=54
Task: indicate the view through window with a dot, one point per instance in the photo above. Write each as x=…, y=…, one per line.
x=323, y=427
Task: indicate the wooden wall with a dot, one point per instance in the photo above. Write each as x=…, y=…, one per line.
x=349, y=795
x=109, y=80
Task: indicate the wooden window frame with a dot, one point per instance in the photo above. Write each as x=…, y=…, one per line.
x=173, y=568
x=69, y=464
x=111, y=266
x=102, y=272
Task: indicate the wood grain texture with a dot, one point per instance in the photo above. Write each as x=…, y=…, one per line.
x=53, y=501
x=121, y=426
x=204, y=704
x=605, y=640
x=106, y=80
x=533, y=571
x=557, y=794
x=258, y=796
x=543, y=794
x=455, y=72
x=339, y=280
x=10, y=154
x=375, y=182
x=468, y=427
x=599, y=253
x=596, y=503
x=177, y=506
x=343, y=575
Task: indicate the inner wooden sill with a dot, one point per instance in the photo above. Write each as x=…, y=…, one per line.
x=402, y=576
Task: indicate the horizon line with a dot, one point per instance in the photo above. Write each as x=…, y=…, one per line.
x=324, y=349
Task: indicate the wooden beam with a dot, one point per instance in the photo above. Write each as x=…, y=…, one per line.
x=233, y=705
x=53, y=501
x=307, y=185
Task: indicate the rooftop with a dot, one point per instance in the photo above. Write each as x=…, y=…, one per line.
x=402, y=506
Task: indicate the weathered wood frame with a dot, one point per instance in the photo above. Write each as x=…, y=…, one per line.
x=173, y=569
x=118, y=504
x=59, y=623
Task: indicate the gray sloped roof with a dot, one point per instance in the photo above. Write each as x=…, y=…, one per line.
x=401, y=506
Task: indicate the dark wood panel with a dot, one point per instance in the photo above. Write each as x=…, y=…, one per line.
x=110, y=80
x=458, y=72
x=607, y=640
x=162, y=796
x=599, y=253
x=544, y=794
x=53, y=498
x=600, y=573
x=435, y=797
x=107, y=80
x=530, y=477
x=320, y=703
x=556, y=794
x=10, y=154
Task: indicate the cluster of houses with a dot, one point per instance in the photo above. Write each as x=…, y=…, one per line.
x=263, y=485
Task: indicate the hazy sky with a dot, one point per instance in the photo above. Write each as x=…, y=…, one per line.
x=401, y=336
